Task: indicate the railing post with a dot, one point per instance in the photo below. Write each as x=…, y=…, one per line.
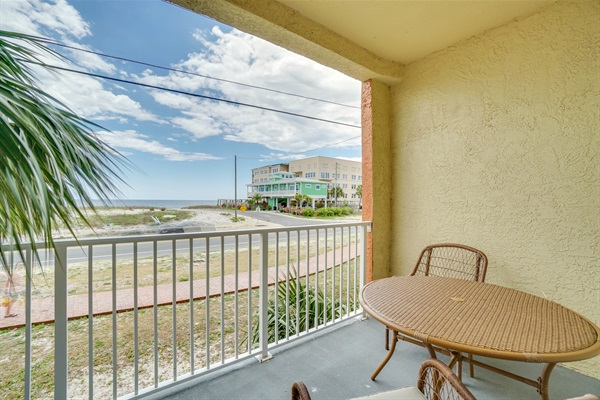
x=60, y=322
x=363, y=261
x=264, y=298
x=28, y=278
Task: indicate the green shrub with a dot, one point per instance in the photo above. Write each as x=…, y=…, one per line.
x=298, y=292
x=336, y=211
x=324, y=212
x=308, y=212
x=347, y=211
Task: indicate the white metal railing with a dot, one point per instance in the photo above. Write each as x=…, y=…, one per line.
x=135, y=315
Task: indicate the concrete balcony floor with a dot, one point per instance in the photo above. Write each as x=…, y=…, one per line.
x=337, y=365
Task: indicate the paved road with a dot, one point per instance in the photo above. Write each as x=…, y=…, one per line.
x=104, y=252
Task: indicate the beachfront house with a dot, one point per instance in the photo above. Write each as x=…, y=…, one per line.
x=279, y=188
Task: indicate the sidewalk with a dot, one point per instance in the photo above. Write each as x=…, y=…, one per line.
x=43, y=308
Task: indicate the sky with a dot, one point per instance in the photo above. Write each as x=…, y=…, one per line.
x=182, y=146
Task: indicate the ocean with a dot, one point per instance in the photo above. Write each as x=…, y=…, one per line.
x=158, y=203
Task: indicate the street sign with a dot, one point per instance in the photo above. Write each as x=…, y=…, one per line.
x=243, y=208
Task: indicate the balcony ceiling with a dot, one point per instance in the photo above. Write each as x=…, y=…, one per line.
x=404, y=31
x=365, y=38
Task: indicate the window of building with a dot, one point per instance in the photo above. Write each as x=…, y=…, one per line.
x=275, y=170
x=324, y=165
x=345, y=176
x=324, y=175
x=354, y=186
x=345, y=186
x=360, y=178
x=353, y=177
x=318, y=187
x=307, y=185
x=292, y=187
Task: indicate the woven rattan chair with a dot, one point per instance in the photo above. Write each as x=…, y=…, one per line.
x=299, y=391
x=449, y=260
x=436, y=382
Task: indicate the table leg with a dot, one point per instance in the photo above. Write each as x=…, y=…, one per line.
x=471, y=368
x=456, y=358
x=389, y=355
x=544, y=379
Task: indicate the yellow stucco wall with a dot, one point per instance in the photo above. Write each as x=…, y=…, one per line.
x=496, y=145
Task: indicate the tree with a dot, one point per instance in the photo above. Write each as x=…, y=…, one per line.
x=359, y=194
x=306, y=200
x=51, y=160
x=335, y=192
x=255, y=199
x=298, y=199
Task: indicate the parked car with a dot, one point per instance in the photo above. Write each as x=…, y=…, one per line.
x=172, y=229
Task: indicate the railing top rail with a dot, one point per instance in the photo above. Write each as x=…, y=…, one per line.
x=182, y=236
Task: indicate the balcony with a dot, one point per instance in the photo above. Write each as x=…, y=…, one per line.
x=274, y=193
x=116, y=323
x=338, y=363
x=133, y=316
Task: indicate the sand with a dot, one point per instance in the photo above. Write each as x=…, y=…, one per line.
x=205, y=219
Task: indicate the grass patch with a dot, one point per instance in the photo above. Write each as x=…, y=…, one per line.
x=138, y=218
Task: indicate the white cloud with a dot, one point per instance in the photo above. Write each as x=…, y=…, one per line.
x=136, y=141
x=89, y=61
x=35, y=17
x=84, y=95
x=240, y=57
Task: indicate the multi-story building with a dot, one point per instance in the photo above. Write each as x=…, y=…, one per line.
x=313, y=176
x=338, y=172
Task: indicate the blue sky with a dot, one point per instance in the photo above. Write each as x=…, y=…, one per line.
x=183, y=147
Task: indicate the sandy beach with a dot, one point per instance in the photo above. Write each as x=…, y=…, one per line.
x=203, y=219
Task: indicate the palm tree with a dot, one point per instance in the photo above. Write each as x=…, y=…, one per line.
x=51, y=160
x=255, y=199
x=298, y=199
x=336, y=192
x=359, y=194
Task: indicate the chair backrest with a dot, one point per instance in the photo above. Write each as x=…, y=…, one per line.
x=438, y=382
x=299, y=391
x=452, y=261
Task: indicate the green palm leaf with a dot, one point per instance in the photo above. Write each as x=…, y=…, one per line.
x=50, y=159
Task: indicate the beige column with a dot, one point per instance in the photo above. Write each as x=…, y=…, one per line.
x=377, y=175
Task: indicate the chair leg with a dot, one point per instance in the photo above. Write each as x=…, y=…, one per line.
x=387, y=338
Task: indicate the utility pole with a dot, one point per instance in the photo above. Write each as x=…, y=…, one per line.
x=235, y=184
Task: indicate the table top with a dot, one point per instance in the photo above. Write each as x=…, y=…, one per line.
x=481, y=318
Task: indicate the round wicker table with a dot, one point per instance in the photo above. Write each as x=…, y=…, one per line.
x=481, y=319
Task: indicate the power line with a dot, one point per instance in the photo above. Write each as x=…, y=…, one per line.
x=56, y=43
x=237, y=103
x=329, y=145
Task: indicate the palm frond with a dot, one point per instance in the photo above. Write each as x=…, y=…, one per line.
x=51, y=160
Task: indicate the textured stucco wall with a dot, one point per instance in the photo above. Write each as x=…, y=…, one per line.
x=496, y=145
